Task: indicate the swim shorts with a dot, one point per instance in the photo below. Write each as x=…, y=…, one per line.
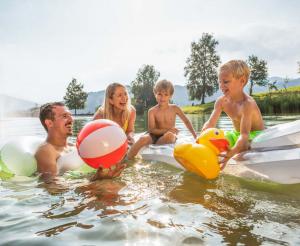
x=233, y=135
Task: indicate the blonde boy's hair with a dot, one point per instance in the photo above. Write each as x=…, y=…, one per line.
x=163, y=85
x=237, y=68
x=107, y=107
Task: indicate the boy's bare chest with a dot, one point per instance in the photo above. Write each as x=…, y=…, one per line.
x=165, y=117
x=234, y=111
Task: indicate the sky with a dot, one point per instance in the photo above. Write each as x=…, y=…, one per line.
x=46, y=43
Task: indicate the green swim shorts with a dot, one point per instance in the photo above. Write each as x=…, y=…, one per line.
x=233, y=135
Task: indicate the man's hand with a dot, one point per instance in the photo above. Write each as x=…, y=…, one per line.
x=108, y=173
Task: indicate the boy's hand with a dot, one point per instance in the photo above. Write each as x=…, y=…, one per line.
x=225, y=158
x=108, y=173
x=174, y=130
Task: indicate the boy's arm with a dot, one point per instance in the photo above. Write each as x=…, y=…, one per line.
x=186, y=121
x=152, y=126
x=242, y=143
x=212, y=121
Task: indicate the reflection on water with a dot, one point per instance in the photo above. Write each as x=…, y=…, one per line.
x=150, y=204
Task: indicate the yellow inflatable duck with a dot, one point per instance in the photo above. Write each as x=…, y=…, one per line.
x=202, y=157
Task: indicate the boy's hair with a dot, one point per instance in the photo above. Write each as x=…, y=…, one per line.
x=46, y=112
x=237, y=68
x=163, y=85
x=107, y=108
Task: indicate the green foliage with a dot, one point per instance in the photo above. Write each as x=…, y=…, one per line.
x=201, y=68
x=279, y=102
x=142, y=88
x=259, y=72
x=199, y=109
x=75, y=96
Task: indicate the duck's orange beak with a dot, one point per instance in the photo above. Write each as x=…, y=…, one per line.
x=221, y=144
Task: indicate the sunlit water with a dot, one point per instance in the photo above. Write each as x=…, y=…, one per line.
x=150, y=204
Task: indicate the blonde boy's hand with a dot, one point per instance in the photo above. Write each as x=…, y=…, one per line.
x=108, y=173
x=225, y=158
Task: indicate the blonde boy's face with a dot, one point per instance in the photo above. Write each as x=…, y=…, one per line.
x=163, y=97
x=229, y=85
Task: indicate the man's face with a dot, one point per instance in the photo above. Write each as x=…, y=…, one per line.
x=63, y=121
x=163, y=97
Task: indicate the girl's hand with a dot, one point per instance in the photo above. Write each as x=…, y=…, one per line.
x=130, y=140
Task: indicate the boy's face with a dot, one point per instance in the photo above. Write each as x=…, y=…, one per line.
x=229, y=85
x=163, y=97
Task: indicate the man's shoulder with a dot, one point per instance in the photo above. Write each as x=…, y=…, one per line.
x=45, y=148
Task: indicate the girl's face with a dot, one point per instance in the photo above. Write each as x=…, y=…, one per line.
x=119, y=98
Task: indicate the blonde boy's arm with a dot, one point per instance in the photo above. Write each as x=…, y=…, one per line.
x=186, y=121
x=212, y=121
x=242, y=143
x=151, y=124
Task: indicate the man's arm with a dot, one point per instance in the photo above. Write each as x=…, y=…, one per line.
x=186, y=121
x=212, y=121
x=46, y=157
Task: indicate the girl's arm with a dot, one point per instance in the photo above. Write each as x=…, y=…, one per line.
x=98, y=114
x=130, y=128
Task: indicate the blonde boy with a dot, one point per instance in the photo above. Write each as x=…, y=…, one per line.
x=240, y=108
x=161, y=119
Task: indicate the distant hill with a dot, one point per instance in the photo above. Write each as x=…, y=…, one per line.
x=10, y=104
x=180, y=96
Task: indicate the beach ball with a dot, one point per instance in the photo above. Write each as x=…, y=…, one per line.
x=101, y=143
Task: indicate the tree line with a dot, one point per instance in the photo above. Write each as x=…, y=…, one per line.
x=200, y=72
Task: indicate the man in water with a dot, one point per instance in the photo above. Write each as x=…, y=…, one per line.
x=58, y=122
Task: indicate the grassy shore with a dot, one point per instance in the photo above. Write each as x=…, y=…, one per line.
x=275, y=102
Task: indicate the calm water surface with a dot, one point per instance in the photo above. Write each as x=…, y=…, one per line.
x=150, y=204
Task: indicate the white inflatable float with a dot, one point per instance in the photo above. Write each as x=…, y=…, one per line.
x=275, y=156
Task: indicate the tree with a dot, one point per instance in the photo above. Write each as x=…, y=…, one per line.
x=201, y=68
x=75, y=96
x=142, y=87
x=258, y=72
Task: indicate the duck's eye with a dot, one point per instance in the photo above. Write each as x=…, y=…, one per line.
x=216, y=132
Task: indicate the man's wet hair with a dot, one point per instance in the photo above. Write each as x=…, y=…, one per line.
x=46, y=112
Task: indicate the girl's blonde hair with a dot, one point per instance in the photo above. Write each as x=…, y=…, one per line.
x=107, y=107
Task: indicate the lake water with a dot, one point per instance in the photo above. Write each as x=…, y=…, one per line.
x=150, y=204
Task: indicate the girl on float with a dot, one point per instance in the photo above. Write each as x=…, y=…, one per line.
x=117, y=107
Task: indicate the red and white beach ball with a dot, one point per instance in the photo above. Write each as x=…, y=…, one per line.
x=101, y=143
